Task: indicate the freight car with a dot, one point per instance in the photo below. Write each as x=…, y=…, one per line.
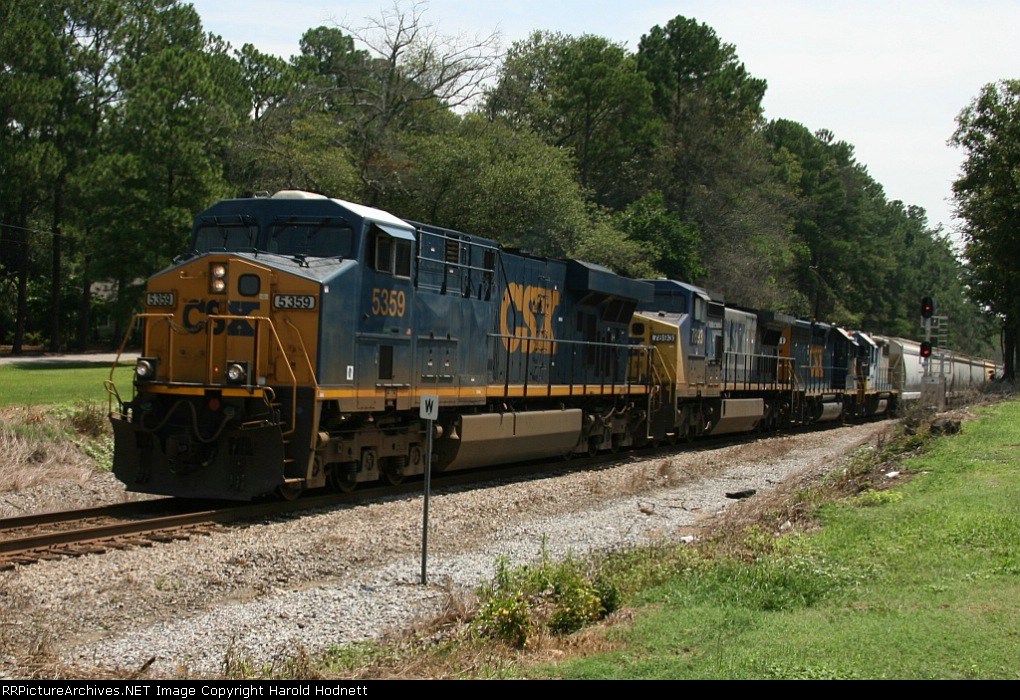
x=952, y=374
x=288, y=350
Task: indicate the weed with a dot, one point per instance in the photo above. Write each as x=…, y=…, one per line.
x=561, y=597
x=506, y=616
x=60, y=444
x=29, y=461
x=877, y=498
x=820, y=672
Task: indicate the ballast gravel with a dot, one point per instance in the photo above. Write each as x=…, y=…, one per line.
x=264, y=592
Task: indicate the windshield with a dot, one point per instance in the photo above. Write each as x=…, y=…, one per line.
x=214, y=236
x=313, y=239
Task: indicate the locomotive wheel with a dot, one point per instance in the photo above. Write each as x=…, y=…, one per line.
x=393, y=475
x=614, y=443
x=289, y=492
x=343, y=479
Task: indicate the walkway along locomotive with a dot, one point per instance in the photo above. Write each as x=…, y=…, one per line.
x=289, y=348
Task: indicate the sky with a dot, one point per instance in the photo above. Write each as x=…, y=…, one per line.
x=888, y=77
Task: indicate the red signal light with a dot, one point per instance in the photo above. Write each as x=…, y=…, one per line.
x=926, y=349
x=927, y=307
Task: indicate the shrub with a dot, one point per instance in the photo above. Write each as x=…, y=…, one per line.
x=562, y=597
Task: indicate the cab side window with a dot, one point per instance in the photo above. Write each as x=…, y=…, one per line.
x=392, y=255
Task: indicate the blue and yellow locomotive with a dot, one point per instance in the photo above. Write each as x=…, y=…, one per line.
x=288, y=350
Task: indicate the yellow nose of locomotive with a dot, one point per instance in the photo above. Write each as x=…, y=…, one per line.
x=225, y=359
x=212, y=322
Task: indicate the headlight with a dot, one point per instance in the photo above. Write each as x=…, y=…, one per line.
x=218, y=278
x=237, y=372
x=145, y=368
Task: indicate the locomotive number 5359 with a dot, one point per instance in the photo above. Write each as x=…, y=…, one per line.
x=388, y=302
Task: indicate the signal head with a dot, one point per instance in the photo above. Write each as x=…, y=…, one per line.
x=927, y=307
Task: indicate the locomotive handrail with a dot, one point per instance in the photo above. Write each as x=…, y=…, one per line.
x=109, y=384
x=111, y=388
x=526, y=341
x=652, y=352
x=667, y=370
x=750, y=376
x=563, y=341
x=304, y=351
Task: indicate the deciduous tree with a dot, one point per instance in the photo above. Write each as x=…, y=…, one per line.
x=988, y=200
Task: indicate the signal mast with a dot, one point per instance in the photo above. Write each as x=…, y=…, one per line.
x=933, y=384
x=927, y=313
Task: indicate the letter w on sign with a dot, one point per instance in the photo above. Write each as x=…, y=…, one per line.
x=429, y=406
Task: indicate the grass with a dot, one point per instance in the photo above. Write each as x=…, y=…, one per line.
x=924, y=585
x=45, y=383
x=53, y=424
x=861, y=576
x=45, y=445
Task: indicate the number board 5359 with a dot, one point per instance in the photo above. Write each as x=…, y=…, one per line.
x=294, y=301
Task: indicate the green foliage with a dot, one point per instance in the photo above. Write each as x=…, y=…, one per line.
x=578, y=605
x=584, y=94
x=563, y=597
x=506, y=618
x=89, y=430
x=687, y=58
x=488, y=179
x=676, y=243
x=86, y=418
x=842, y=214
x=602, y=241
x=988, y=199
x=300, y=135
x=120, y=120
x=713, y=167
x=129, y=106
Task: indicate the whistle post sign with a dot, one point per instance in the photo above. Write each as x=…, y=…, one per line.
x=429, y=406
x=429, y=411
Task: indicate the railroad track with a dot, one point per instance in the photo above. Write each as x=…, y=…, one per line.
x=43, y=536
x=55, y=535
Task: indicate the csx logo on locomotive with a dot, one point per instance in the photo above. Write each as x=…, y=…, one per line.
x=195, y=309
x=527, y=312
